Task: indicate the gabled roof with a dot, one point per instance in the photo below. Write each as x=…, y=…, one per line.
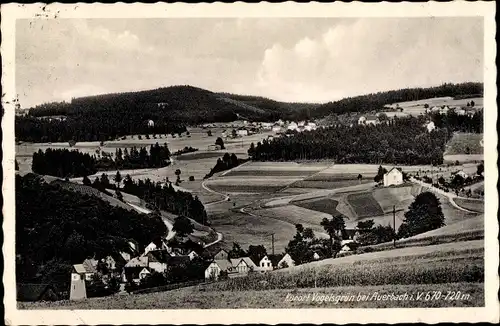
x=79, y=268
x=223, y=264
x=371, y=117
x=249, y=262
x=161, y=256
x=137, y=262
x=395, y=168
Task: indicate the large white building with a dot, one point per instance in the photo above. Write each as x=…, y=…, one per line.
x=393, y=177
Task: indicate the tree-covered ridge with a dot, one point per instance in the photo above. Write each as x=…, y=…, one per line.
x=455, y=122
x=400, y=141
x=55, y=226
x=165, y=197
x=376, y=101
x=64, y=163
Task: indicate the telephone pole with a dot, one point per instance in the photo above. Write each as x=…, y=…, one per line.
x=394, y=223
x=272, y=240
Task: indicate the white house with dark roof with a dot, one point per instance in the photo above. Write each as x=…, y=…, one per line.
x=393, y=177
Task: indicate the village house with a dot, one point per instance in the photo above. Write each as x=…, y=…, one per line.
x=242, y=266
x=292, y=126
x=393, y=177
x=269, y=262
x=460, y=111
x=310, y=126
x=368, y=120
x=217, y=267
x=462, y=174
x=242, y=132
x=224, y=134
x=87, y=269
x=78, y=290
x=286, y=261
x=276, y=128
x=265, y=264
x=266, y=125
x=430, y=126
x=301, y=123
x=232, y=267
x=133, y=270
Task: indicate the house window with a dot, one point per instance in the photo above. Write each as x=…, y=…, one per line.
x=268, y=264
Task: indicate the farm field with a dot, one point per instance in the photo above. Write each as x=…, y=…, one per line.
x=325, y=205
x=197, y=297
x=324, y=184
x=292, y=215
x=364, y=205
x=464, y=143
x=252, y=185
x=253, y=230
x=470, y=204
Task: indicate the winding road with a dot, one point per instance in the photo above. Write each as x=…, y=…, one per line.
x=451, y=196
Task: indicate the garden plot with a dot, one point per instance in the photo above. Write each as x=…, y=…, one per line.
x=364, y=205
x=324, y=205
x=401, y=197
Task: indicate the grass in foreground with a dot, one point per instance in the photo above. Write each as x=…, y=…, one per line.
x=471, y=295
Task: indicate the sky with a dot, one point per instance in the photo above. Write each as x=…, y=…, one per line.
x=286, y=59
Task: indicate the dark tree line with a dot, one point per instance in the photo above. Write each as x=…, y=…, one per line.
x=165, y=197
x=65, y=163
x=376, y=101
x=455, y=122
x=400, y=141
x=56, y=228
x=227, y=162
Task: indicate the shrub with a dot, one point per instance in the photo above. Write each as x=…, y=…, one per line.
x=191, y=178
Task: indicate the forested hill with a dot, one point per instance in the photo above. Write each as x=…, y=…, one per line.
x=185, y=104
x=56, y=228
x=376, y=101
x=104, y=117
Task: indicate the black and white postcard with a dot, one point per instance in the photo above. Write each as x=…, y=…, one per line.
x=245, y=163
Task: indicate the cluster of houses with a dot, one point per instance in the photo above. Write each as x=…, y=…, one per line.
x=242, y=266
x=156, y=257
x=245, y=128
x=444, y=109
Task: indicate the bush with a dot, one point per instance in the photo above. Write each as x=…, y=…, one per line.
x=191, y=178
